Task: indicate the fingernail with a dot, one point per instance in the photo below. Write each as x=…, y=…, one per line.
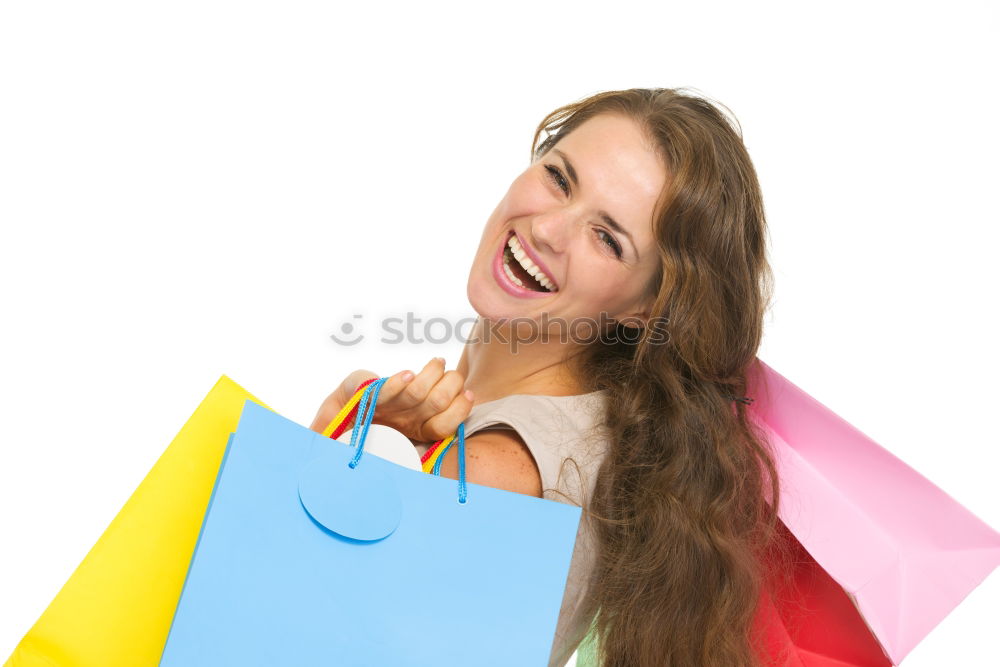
x=407, y=376
x=468, y=394
x=441, y=359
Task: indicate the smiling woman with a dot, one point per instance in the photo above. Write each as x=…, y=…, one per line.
x=640, y=206
x=556, y=222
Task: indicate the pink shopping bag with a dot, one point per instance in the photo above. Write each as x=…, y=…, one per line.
x=903, y=550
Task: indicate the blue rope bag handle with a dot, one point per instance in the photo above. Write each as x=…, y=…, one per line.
x=460, y=438
x=364, y=419
x=360, y=433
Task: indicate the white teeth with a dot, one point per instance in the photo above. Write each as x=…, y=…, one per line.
x=529, y=266
x=510, y=274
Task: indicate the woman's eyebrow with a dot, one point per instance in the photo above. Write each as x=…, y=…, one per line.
x=608, y=220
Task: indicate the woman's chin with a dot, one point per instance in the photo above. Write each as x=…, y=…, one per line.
x=491, y=311
x=492, y=307
x=486, y=300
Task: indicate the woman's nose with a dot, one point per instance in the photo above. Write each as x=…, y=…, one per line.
x=552, y=229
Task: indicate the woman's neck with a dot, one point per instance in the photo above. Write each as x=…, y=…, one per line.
x=494, y=364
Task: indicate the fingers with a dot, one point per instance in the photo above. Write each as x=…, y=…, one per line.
x=446, y=422
x=394, y=386
x=444, y=407
x=443, y=393
x=419, y=387
x=338, y=398
x=353, y=381
x=425, y=406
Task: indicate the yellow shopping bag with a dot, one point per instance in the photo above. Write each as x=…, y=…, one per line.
x=117, y=607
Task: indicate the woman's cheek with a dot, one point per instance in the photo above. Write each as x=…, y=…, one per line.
x=611, y=293
x=528, y=195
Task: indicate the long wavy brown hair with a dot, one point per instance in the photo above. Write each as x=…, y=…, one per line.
x=684, y=504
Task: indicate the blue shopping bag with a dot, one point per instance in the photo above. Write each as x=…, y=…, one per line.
x=312, y=553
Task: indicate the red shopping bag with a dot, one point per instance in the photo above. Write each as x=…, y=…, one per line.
x=811, y=621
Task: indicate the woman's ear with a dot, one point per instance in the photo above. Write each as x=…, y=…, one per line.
x=635, y=320
x=638, y=317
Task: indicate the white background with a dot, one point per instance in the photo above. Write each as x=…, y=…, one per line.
x=195, y=188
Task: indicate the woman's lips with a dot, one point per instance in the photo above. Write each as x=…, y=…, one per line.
x=505, y=283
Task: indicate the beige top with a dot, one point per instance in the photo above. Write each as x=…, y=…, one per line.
x=559, y=430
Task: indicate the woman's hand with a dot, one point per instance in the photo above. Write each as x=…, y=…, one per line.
x=424, y=407
x=339, y=398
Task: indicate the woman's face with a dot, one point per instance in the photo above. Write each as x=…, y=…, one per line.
x=581, y=221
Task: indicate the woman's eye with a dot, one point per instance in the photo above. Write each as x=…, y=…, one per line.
x=610, y=242
x=557, y=178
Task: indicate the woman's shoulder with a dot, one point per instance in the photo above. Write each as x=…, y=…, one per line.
x=549, y=417
x=497, y=458
x=560, y=403
x=564, y=434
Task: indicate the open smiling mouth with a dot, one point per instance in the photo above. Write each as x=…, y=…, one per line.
x=521, y=270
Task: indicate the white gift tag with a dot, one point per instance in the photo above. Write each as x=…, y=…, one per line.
x=389, y=444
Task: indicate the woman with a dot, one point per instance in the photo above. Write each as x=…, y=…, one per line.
x=636, y=240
